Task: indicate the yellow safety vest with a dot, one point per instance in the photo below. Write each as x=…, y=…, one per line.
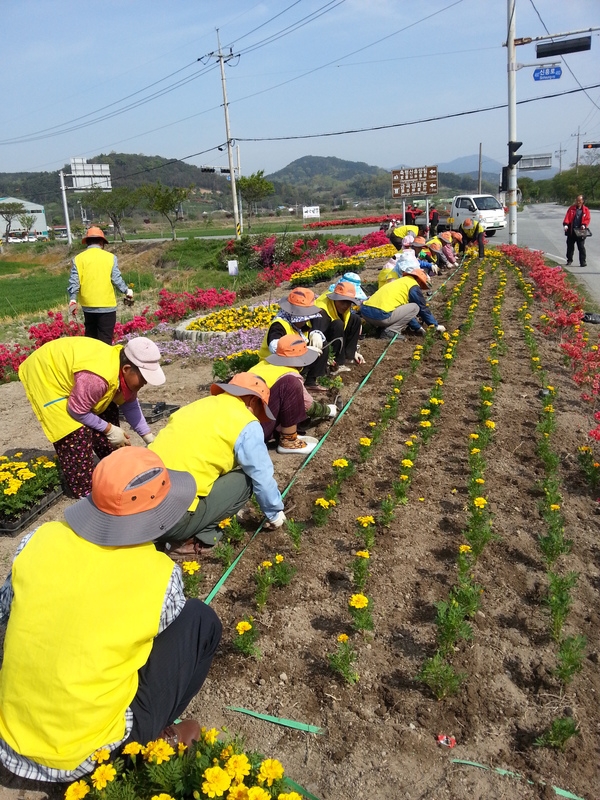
x=328, y=306
x=392, y=295
x=404, y=229
x=48, y=376
x=94, y=267
x=264, y=348
x=82, y=623
x=386, y=275
x=200, y=437
x=271, y=373
x=474, y=232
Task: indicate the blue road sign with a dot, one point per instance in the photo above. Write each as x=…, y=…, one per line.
x=547, y=73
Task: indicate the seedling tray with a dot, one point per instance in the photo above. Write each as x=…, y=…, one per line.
x=155, y=411
x=17, y=525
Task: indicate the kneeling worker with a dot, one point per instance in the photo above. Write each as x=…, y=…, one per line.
x=342, y=327
x=209, y=438
x=70, y=687
x=472, y=231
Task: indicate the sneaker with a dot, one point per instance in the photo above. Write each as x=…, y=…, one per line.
x=390, y=335
x=339, y=370
x=299, y=446
x=569, y=263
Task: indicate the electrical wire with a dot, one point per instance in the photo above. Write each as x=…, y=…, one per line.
x=262, y=25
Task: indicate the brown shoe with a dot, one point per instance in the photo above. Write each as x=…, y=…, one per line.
x=186, y=549
x=185, y=732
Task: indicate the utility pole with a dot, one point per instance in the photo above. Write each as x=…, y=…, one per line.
x=63, y=190
x=241, y=205
x=511, y=68
x=479, y=176
x=559, y=153
x=236, y=216
x=578, y=134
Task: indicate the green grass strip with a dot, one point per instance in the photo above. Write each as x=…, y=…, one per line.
x=286, y=723
x=505, y=772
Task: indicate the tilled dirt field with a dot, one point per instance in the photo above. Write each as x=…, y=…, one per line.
x=379, y=736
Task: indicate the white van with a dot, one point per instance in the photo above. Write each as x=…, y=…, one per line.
x=482, y=207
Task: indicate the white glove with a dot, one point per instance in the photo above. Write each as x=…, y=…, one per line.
x=150, y=437
x=359, y=358
x=435, y=269
x=333, y=410
x=117, y=436
x=422, y=332
x=73, y=307
x=316, y=340
x=277, y=522
x=129, y=293
x=440, y=329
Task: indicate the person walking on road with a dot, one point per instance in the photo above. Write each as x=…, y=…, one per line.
x=94, y=277
x=576, y=224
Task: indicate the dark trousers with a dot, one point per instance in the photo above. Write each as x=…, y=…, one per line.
x=319, y=367
x=286, y=403
x=100, y=326
x=175, y=671
x=480, y=243
x=573, y=240
x=76, y=453
x=345, y=349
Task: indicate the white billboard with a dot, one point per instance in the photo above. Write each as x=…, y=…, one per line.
x=541, y=161
x=311, y=212
x=90, y=176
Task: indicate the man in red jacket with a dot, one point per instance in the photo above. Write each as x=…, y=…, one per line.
x=576, y=222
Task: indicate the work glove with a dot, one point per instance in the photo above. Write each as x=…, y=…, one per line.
x=272, y=524
x=316, y=340
x=333, y=410
x=150, y=437
x=129, y=293
x=117, y=436
x=434, y=268
x=359, y=358
x=422, y=332
x=440, y=329
x=72, y=307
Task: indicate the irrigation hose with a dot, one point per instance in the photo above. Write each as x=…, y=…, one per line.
x=509, y=774
x=214, y=591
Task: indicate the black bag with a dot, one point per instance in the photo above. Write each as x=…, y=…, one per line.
x=582, y=233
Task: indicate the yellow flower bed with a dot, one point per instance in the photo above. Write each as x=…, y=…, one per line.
x=234, y=319
x=22, y=483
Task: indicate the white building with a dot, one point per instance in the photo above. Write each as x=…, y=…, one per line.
x=39, y=227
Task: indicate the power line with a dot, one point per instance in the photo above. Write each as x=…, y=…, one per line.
x=262, y=25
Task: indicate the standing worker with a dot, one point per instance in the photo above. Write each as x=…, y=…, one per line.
x=94, y=277
x=434, y=220
x=75, y=384
x=472, y=231
x=576, y=223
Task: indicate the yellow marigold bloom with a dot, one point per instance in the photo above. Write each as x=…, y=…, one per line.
x=258, y=793
x=398, y=377
x=465, y=548
x=473, y=436
x=425, y=412
x=364, y=441
x=162, y=796
x=158, y=751
x=372, y=424
x=365, y=521
x=340, y=463
x=103, y=775
x=549, y=409
x=409, y=443
x=267, y=564
x=487, y=388
x=416, y=357
x=487, y=403
x=406, y=462
x=493, y=361
x=343, y=637
x=239, y=792
x=103, y=754
x=77, y=791
x=289, y=796
x=439, y=382
x=243, y=626
x=320, y=501
x=396, y=390
x=190, y=567
x=363, y=554
x=270, y=770
x=585, y=449
x=333, y=502
x=535, y=358
x=479, y=480
x=225, y=523
x=216, y=781
x=211, y=735
x=421, y=499
x=490, y=424
x=550, y=388
x=554, y=507
x=132, y=749
x=238, y=766
x=480, y=502
x=358, y=601
x=278, y=558
x=403, y=477
x=425, y=423
x=448, y=356
x=181, y=748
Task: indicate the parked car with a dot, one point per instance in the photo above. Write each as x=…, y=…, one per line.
x=484, y=208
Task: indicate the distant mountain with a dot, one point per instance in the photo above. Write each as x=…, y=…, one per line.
x=310, y=168
x=467, y=165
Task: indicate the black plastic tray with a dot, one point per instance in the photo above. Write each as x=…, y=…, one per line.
x=155, y=411
x=17, y=525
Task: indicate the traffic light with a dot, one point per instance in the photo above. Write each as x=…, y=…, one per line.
x=590, y=145
x=551, y=49
x=513, y=159
x=207, y=169
x=504, y=180
x=224, y=170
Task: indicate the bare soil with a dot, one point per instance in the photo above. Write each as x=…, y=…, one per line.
x=379, y=736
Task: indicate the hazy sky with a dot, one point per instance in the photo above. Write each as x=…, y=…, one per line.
x=304, y=67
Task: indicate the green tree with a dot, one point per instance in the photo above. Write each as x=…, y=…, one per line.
x=254, y=188
x=26, y=222
x=165, y=200
x=8, y=212
x=114, y=204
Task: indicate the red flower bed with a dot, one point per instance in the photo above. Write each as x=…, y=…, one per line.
x=336, y=223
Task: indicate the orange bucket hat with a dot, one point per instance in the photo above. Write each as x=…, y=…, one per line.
x=421, y=277
x=300, y=302
x=457, y=236
x=94, y=233
x=435, y=246
x=419, y=242
x=292, y=351
x=344, y=290
x=245, y=383
x=446, y=236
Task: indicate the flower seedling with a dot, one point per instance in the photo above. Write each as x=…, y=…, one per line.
x=224, y=552
x=360, y=609
x=191, y=578
x=322, y=509
x=559, y=600
x=451, y=625
x=558, y=734
x=294, y=530
x=570, y=658
x=246, y=637
x=344, y=659
x=360, y=569
x=366, y=530
x=440, y=677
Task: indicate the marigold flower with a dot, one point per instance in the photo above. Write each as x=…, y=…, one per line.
x=490, y=424
x=267, y=564
x=340, y=463
x=258, y=793
x=398, y=377
x=225, y=523
x=216, y=781
x=270, y=770
x=403, y=477
x=103, y=775
x=211, y=735
x=103, y=754
x=549, y=409
x=278, y=558
x=162, y=796
x=448, y=356
x=363, y=554
x=77, y=791
x=554, y=507
x=406, y=462
x=439, y=382
x=464, y=548
x=425, y=423
x=480, y=502
x=181, y=748
x=190, y=567
x=238, y=766
x=343, y=637
x=372, y=424
x=158, y=751
x=289, y=796
x=425, y=412
x=132, y=749
x=239, y=792
x=487, y=403
x=473, y=436
x=475, y=450
x=487, y=389
x=358, y=601
x=479, y=480
x=409, y=443
x=321, y=502
x=550, y=388
x=243, y=626
x=364, y=441
x=365, y=521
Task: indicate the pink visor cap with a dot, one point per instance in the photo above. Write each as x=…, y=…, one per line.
x=145, y=354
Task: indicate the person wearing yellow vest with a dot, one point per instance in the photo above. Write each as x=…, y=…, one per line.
x=220, y=441
x=472, y=231
x=94, y=277
x=289, y=401
x=398, y=233
x=75, y=386
x=342, y=326
x=398, y=304
x=101, y=648
x=298, y=313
